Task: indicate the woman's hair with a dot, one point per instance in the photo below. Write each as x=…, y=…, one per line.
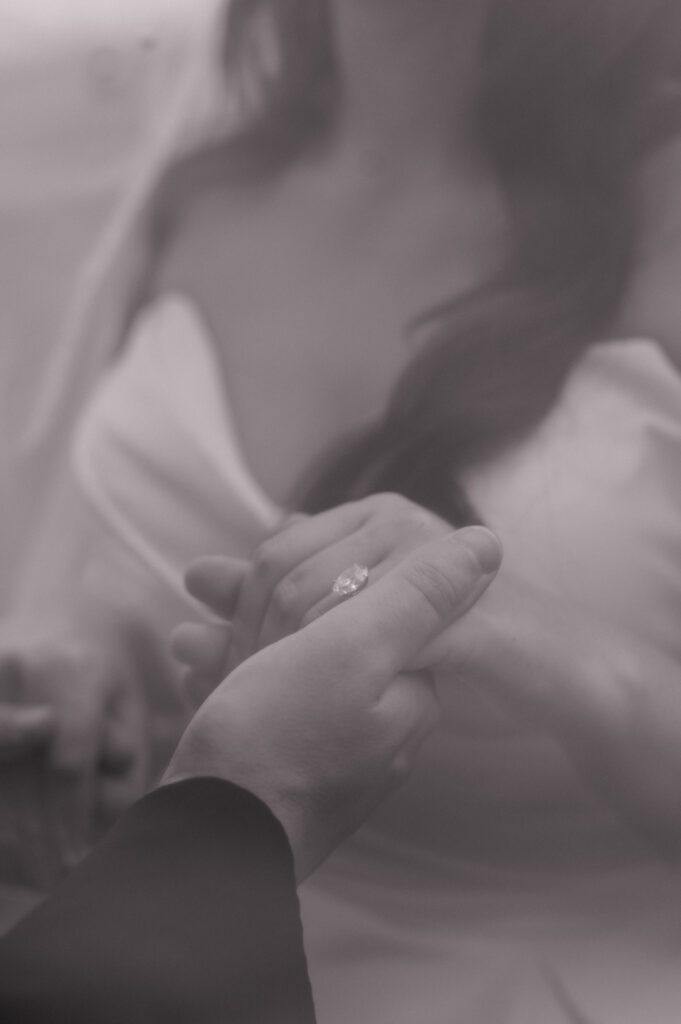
x=573, y=93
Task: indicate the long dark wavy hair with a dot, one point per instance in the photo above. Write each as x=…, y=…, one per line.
x=573, y=95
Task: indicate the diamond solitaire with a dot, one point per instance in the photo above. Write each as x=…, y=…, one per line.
x=351, y=580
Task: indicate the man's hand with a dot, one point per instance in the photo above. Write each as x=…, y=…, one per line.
x=323, y=724
x=288, y=582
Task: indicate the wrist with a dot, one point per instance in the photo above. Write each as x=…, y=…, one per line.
x=290, y=818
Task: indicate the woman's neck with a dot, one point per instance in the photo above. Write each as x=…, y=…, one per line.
x=409, y=73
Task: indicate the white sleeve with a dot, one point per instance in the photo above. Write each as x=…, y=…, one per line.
x=589, y=506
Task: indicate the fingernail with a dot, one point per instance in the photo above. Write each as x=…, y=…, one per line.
x=485, y=546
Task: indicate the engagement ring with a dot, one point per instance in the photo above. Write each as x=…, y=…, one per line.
x=351, y=580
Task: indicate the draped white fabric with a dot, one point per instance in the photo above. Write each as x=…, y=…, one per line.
x=494, y=887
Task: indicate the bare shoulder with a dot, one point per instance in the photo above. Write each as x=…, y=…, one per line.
x=652, y=307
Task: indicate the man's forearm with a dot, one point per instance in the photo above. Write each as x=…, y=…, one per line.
x=187, y=911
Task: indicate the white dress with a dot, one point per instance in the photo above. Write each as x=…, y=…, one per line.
x=494, y=888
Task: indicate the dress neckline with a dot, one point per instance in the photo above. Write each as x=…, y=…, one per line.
x=641, y=350
x=222, y=407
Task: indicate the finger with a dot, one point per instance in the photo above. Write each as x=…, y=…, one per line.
x=114, y=796
x=397, y=529
x=216, y=581
x=411, y=707
x=293, y=519
x=202, y=646
x=72, y=802
x=30, y=852
x=78, y=738
x=376, y=634
x=124, y=771
x=310, y=583
x=435, y=590
x=277, y=556
x=382, y=559
x=389, y=526
x=73, y=763
x=118, y=753
x=24, y=730
x=124, y=736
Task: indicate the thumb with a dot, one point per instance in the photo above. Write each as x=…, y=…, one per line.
x=24, y=730
x=391, y=621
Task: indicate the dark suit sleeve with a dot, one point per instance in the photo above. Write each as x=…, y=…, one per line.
x=186, y=912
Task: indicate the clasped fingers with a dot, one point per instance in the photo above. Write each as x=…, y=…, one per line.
x=290, y=581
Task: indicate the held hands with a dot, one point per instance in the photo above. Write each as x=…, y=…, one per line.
x=532, y=645
x=321, y=725
x=71, y=749
x=526, y=646
x=289, y=582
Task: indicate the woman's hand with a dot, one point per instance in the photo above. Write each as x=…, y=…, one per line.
x=323, y=724
x=289, y=583
x=608, y=697
x=72, y=749
x=513, y=647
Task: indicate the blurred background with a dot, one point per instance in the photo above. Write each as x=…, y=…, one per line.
x=81, y=83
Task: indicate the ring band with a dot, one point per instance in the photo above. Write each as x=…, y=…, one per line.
x=351, y=580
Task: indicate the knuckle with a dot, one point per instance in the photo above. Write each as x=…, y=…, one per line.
x=392, y=503
x=436, y=587
x=286, y=597
x=422, y=521
x=181, y=642
x=267, y=560
x=408, y=518
x=311, y=615
x=292, y=520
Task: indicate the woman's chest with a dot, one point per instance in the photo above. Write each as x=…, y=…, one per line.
x=314, y=322
x=310, y=360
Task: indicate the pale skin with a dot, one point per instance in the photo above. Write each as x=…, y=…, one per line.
x=324, y=724
x=393, y=225
x=614, y=709
x=610, y=727
x=350, y=244
x=395, y=212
